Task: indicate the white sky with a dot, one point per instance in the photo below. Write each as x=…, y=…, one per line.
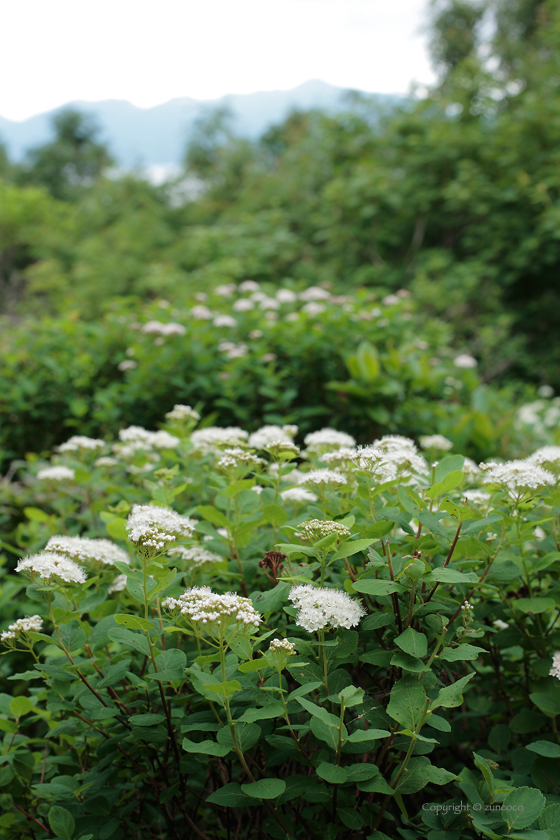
x=150, y=51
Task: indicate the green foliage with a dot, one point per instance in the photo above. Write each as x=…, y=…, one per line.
x=140, y=707
x=296, y=366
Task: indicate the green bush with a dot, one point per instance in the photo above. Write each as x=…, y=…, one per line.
x=367, y=365
x=381, y=666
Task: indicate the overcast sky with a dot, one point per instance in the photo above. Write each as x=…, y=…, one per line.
x=149, y=51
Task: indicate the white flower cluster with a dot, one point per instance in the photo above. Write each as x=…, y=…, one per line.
x=195, y=554
x=106, y=461
x=49, y=565
x=323, y=478
x=436, y=442
x=224, y=321
x=518, y=477
x=156, y=527
x=93, y=552
x=319, y=608
x=280, y=447
x=213, y=612
x=57, y=473
x=77, y=442
x=138, y=438
x=182, y=413
x=376, y=463
x=555, y=670
x=22, y=625
x=471, y=470
x=237, y=457
x=339, y=457
x=316, y=529
x=270, y=434
x=325, y=440
x=213, y=437
x=282, y=645
x=402, y=453
x=117, y=585
x=298, y=494
x=233, y=350
x=547, y=457
x=158, y=328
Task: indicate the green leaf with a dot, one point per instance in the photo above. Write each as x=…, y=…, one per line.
x=265, y=788
x=325, y=733
x=407, y=702
x=147, y=719
x=432, y=524
x=253, y=665
x=550, y=820
x=271, y=600
x=72, y=635
x=439, y=776
x=224, y=689
x=545, y=748
x=451, y=695
x=376, y=785
x=351, y=547
x=546, y=703
x=451, y=480
x=231, y=796
x=133, y=622
x=331, y=773
x=371, y=586
x=486, y=771
x=318, y=711
x=272, y=710
x=130, y=639
x=360, y=772
x=451, y=576
x=362, y=735
x=20, y=706
x=116, y=528
x=534, y=605
x=170, y=666
x=522, y=807
x=246, y=734
x=36, y=515
x=448, y=465
x=62, y=822
x=413, y=643
x=477, y=525
x=463, y=653
x=408, y=662
x=213, y=515
x=205, y=747
x=275, y=515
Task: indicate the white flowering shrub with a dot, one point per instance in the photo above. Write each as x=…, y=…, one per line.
x=216, y=634
x=268, y=357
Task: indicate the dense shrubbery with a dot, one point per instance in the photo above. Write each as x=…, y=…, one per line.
x=248, y=357
x=380, y=667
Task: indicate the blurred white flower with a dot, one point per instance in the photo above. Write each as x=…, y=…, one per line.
x=56, y=474
x=285, y=296
x=243, y=305
x=127, y=364
x=224, y=321
x=465, y=361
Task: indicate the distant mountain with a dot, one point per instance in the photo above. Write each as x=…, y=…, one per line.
x=149, y=137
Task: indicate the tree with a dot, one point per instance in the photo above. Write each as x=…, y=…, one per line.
x=70, y=162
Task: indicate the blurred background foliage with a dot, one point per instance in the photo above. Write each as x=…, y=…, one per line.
x=453, y=197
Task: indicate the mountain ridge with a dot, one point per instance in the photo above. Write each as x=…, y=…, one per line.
x=157, y=135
